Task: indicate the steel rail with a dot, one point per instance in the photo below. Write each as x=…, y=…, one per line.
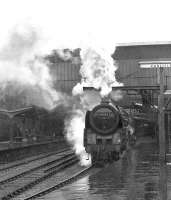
x=61, y=184
x=62, y=165
x=34, y=159
x=34, y=169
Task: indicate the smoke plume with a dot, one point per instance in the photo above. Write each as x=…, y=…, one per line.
x=97, y=71
x=25, y=80
x=23, y=72
x=74, y=127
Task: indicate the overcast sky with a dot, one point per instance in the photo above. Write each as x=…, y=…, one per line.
x=75, y=23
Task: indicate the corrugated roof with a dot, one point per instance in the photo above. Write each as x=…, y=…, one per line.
x=142, y=51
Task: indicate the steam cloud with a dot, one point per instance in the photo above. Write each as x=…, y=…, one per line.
x=97, y=71
x=25, y=80
x=74, y=127
x=23, y=74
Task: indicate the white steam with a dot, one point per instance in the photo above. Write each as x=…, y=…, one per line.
x=116, y=95
x=25, y=77
x=97, y=71
x=21, y=69
x=75, y=129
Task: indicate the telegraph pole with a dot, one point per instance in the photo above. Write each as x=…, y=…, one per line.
x=162, y=140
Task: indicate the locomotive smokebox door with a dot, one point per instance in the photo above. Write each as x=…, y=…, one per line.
x=104, y=119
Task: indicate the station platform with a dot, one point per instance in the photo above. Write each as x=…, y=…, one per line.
x=19, y=150
x=5, y=145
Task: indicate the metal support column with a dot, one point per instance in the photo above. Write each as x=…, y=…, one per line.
x=11, y=132
x=162, y=141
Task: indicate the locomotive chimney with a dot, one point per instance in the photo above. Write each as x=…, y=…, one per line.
x=105, y=100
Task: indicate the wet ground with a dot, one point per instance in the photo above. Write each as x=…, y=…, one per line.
x=134, y=177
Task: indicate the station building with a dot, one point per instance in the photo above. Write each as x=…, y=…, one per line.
x=139, y=65
x=139, y=69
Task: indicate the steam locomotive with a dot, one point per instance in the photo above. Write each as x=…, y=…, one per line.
x=107, y=133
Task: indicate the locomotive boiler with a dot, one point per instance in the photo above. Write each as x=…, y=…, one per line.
x=107, y=131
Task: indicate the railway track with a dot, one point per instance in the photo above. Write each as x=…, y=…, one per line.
x=15, y=172
x=35, y=158
x=63, y=183
x=16, y=185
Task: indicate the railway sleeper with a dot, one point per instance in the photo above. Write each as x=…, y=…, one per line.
x=59, y=185
x=33, y=169
x=41, y=179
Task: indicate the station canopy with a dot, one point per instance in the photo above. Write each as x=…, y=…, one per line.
x=30, y=111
